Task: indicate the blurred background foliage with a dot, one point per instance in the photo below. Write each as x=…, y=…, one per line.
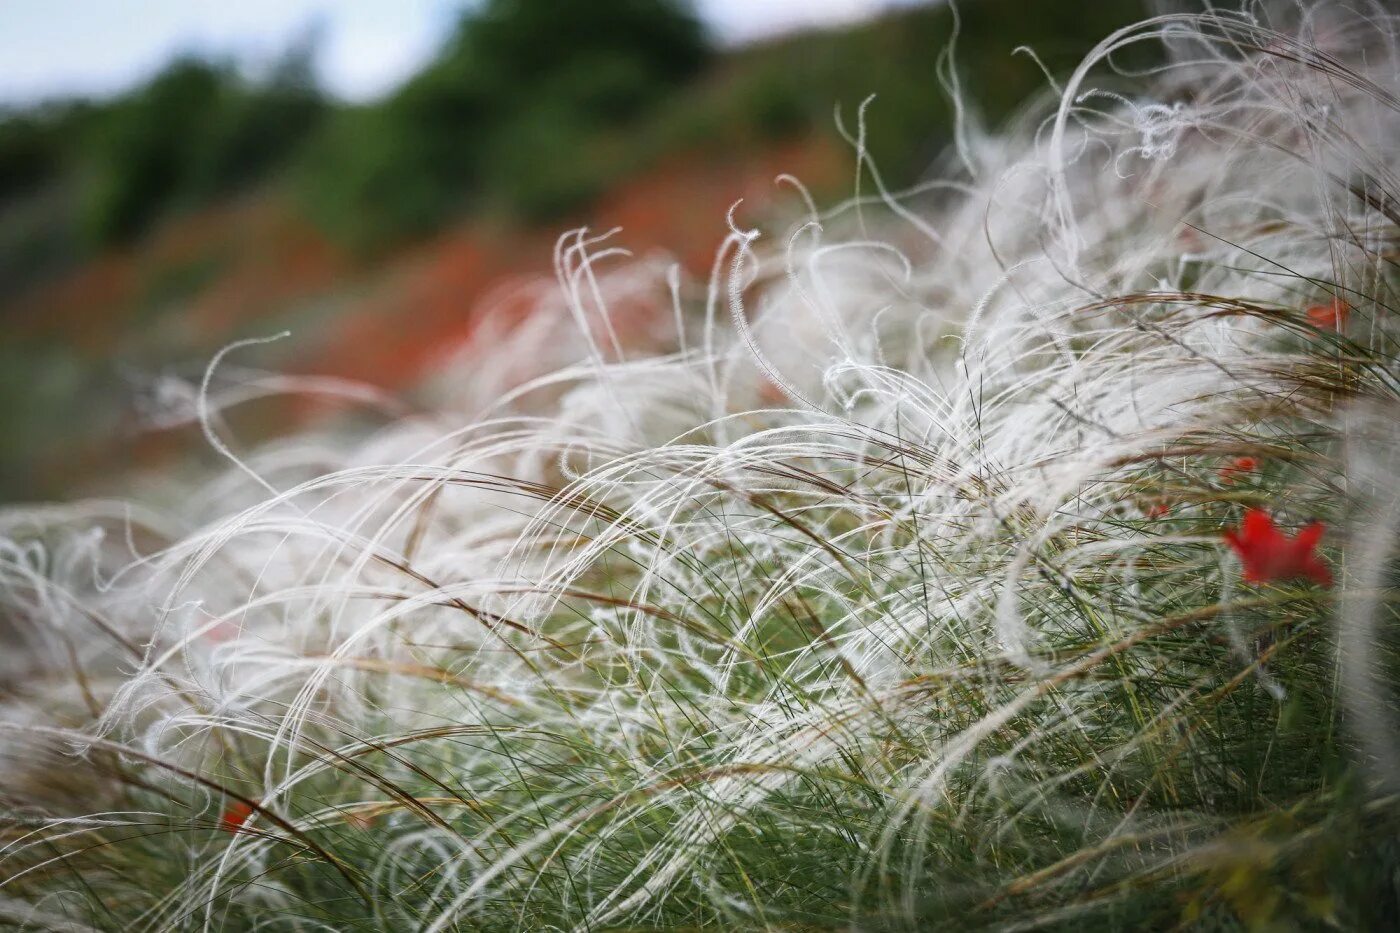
x=529, y=109
x=508, y=117
x=529, y=114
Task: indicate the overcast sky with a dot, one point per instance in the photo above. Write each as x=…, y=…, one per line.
x=53, y=48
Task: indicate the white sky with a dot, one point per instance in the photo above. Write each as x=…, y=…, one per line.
x=51, y=48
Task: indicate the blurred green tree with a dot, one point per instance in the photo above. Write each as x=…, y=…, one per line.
x=196, y=131
x=139, y=151
x=505, y=117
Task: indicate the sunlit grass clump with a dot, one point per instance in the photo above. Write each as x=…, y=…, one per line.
x=1011, y=552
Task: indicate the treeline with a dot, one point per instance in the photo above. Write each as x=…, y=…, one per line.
x=79, y=176
x=530, y=108
x=508, y=116
x=516, y=113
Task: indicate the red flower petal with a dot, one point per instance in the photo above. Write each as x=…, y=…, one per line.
x=1269, y=554
x=1238, y=465
x=1316, y=571
x=1310, y=535
x=1331, y=316
x=235, y=815
x=1259, y=525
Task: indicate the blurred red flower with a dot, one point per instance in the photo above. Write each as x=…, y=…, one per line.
x=235, y=815
x=1331, y=316
x=1157, y=509
x=1269, y=554
x=1238, y=465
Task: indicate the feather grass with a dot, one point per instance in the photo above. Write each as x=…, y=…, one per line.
x=852, y=609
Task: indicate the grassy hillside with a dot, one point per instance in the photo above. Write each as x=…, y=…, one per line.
x=143, y=233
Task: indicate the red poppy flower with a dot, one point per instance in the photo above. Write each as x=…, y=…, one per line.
x=1331, y=316
x=1238, y=465
x=1269, y=554
x=1157, y=509
x=235, y=815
